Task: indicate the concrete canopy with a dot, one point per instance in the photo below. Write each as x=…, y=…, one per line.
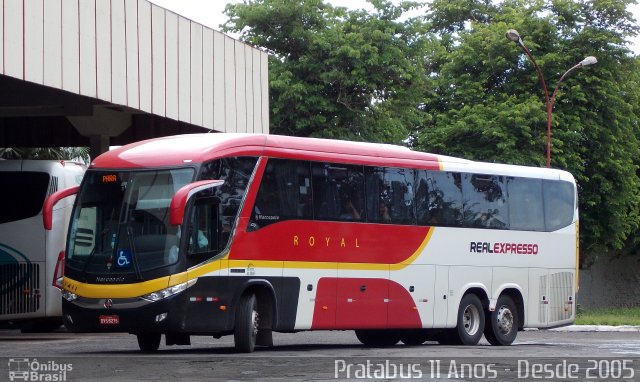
x=100, y=73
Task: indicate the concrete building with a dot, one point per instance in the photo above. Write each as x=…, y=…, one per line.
x=109, y=72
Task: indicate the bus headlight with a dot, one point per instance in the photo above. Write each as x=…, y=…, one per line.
x=168, y=292
x=69, y=296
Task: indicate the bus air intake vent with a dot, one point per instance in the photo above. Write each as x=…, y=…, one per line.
x=561, y=287
x=53, y=185
x=19, y=288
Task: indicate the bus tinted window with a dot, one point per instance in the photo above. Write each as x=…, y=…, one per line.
x=439, y=198
x=525, y=204
x=23, y=194
x=236, y=173
x=338, y=191
x=485, y=201
x=558, y=204
x=390, y=195
x=285, y=192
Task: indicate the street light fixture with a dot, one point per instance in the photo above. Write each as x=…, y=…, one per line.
x=514, y=36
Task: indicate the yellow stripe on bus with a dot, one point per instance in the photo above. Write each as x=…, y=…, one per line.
x=146, y=287
x=115, y=290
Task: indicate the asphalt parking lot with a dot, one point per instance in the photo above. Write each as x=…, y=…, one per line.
x=539, y=354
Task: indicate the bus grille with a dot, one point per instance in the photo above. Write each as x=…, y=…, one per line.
x=561, y=288
x=19, y=288
x=53, y=185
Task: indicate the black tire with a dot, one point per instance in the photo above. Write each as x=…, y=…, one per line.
x=149, y=342
x=470, y=320
x=413, y=337
x=247, y=320
x=501, y=328
x=378, y=338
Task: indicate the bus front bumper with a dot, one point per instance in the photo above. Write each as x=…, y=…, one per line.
x=123, y=315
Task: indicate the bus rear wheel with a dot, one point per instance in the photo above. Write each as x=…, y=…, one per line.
x=247, y=321
x=501, y=328
x=378, y=338
x=470, y=324
x=149, y=342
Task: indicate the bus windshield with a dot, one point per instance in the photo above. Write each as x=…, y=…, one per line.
x=121, y=221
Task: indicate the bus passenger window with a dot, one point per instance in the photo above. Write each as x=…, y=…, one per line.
x=285, y=193
x=236, y=173
x=525, y=204
x=558, y=204
x=389, y=193
x=485, y=201
x=439, y=198
x=338, y=191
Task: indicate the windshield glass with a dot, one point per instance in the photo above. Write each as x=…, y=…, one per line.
x=23, y=193
x=121, y=221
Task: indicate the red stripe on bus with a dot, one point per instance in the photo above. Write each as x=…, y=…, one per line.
x=346, y=242
x=341, y=303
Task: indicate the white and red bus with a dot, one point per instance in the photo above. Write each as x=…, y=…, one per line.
x=28, y=252
x=220, y=234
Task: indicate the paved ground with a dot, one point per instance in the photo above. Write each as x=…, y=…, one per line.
x=324, y=356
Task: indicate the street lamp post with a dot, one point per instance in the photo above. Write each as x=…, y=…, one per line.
x=514, y=36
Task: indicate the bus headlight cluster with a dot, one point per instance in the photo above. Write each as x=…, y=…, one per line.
x=69, y=296
x=168, y=292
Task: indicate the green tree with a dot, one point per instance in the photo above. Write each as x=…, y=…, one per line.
x=488, y=103
x=338, y=73
x=451, y=83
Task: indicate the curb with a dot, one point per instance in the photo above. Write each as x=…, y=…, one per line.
x=597, y=328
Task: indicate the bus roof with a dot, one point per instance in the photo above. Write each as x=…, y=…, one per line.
x=198, y=148
x=180, y=150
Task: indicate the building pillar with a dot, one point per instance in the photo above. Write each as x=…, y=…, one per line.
x=104, y=123
x=99, y=145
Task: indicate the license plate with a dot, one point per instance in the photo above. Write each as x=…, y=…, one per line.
x=109, y=320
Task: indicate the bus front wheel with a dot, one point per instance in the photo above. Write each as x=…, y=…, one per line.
x=149, y=342
x=470, y=324
x=501, y=327
x=247, y=320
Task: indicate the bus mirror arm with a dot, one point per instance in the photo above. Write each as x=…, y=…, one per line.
x=182, y=196
x=50, y=201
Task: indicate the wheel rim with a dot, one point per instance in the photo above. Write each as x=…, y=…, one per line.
x=505, y=320
x=471, y=320
x=254, y=322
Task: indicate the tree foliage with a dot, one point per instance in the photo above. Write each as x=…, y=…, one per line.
x=451, y=83
x=338, y=73
x=488, y=103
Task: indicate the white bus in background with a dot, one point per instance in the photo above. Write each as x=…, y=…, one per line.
x=29, y=253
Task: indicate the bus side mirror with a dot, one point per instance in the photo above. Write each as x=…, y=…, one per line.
x=182, y=196
x=50, y=201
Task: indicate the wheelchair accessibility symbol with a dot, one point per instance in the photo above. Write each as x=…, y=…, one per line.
x=124, y=259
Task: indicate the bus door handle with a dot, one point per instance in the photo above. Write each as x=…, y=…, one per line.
x=363, y=288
